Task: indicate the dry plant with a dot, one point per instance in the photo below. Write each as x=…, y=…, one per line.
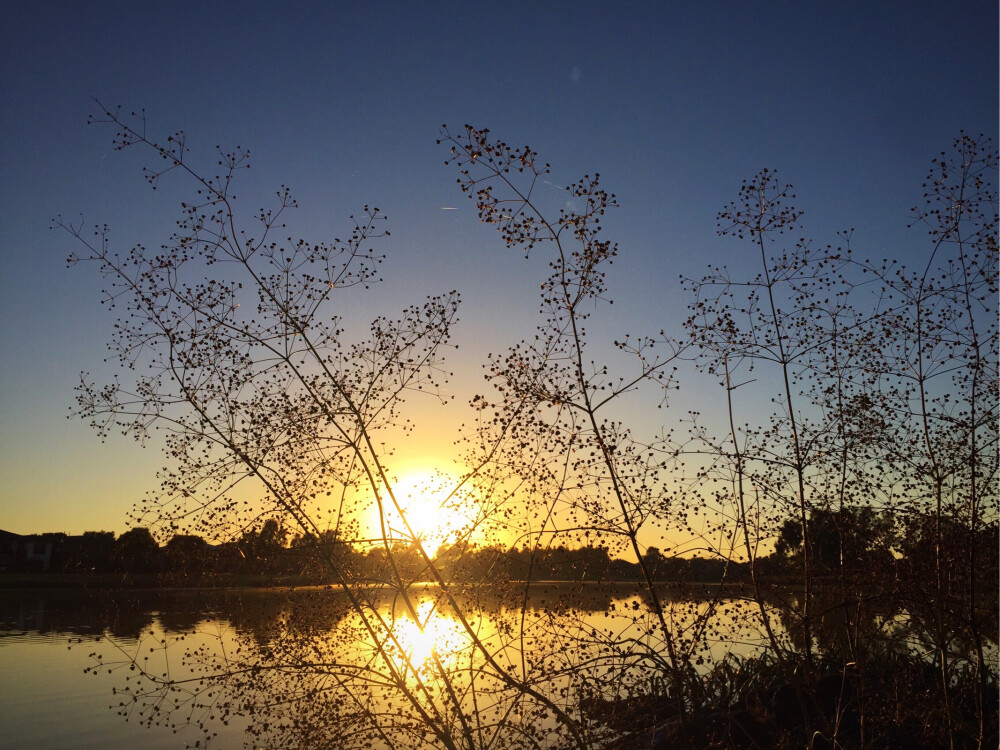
x=878, y=455
x=880, y=440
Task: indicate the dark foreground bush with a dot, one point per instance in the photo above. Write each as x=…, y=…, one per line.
x=896, y=700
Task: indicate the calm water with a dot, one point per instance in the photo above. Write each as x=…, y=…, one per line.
x=46, y=698
x=49, y=639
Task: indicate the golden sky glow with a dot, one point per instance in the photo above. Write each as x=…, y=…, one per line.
x=432, y=511
x=673, y=138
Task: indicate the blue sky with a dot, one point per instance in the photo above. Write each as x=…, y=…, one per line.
x=673, y=103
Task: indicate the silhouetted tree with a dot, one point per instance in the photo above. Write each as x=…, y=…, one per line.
x=186, y=555
x=262, y=550
x=136, y=551
x=306, y=552
x=854, y=541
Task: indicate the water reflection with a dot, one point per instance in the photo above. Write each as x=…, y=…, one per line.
x=430, y=632
x=306, y=668
x=79, y=613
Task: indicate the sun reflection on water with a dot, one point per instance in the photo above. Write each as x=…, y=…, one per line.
x=433, y=632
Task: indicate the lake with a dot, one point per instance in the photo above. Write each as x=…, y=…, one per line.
x=303, y=669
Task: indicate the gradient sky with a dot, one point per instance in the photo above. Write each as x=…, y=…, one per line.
x=673, y=103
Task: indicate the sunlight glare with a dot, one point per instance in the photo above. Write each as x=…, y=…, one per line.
x=440, y=634
x=433, y=516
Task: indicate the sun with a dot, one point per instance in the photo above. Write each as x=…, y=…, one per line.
x=433, y=511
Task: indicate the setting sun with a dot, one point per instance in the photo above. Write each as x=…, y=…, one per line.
x=433, y=513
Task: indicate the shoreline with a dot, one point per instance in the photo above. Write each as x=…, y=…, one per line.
x=148, y=582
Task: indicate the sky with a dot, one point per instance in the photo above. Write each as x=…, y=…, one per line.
x=674, y=104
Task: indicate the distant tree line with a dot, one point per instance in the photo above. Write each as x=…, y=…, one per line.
x=859, y=544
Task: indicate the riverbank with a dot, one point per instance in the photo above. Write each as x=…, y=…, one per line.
x=115, y=581
x=138, y=581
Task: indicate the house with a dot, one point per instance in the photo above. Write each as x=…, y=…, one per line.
x=30, y=552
